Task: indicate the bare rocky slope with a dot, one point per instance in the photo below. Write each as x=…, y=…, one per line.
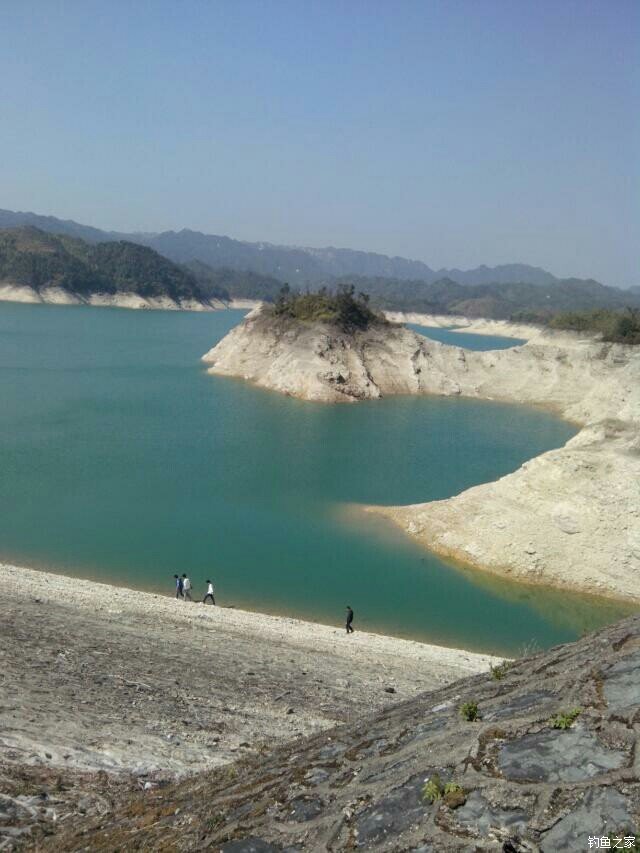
x=570, y=517
x=551, y=760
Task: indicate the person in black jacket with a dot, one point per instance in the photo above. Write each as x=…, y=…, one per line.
x=349, y=620
x=178, y=586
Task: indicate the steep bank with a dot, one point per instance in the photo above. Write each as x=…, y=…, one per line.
x=569, y=518
x=314, y=361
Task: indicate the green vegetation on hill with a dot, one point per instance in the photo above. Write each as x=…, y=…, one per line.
x=137, y=269
x=226, y=283
x=617, y=326
x=534, y=303
x=32, y=258
x=342, y=308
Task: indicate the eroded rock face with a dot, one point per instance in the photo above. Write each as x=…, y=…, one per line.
x=526, y=786
x=318, y=362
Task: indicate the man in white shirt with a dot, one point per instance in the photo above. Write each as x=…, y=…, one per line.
x=186, y=588
x=209, y=593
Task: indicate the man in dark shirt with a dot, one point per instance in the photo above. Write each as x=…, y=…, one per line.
x=349, y=620
x=178, y=586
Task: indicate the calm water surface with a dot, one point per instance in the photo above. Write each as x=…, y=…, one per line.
x=122, y=460
x=446, y=335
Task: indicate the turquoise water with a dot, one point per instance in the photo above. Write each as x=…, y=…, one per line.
x=123, y=460
x=466, y=340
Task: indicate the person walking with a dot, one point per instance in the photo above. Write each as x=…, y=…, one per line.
x=209, y=593
x=186, y=588
x=179, y=593
x=349, y=625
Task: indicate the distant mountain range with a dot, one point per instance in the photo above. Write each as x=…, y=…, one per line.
x=30, y=257
x=42, y=252
x=297, y=265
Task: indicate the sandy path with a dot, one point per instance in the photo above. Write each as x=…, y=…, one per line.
x=95, y=676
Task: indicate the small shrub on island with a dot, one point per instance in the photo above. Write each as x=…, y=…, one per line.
x=345, y=309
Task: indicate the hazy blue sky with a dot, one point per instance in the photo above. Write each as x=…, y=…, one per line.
x=479, y=131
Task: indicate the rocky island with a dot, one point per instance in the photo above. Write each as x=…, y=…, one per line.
x=570, y=518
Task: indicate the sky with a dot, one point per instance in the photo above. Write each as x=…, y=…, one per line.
x=457, y=132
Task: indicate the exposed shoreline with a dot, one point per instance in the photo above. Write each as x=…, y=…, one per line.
x=59, y=296
x=472, y=325
x=103, y=677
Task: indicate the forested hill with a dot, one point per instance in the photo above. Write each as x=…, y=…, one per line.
x=225, y=283
x=527, y=302
x=32, y=258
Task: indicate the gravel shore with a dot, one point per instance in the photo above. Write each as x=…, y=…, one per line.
x=97, y=677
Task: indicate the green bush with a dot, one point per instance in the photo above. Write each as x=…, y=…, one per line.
x=452, y=794
x=565, y=719
x=469, y=712
x=499, y=671
x=432, y=789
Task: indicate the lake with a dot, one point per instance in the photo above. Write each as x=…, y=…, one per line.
x=122, y=460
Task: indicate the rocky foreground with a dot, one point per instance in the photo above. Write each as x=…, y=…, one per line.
x=104, y=689
x=570, y=518
x=550, y=761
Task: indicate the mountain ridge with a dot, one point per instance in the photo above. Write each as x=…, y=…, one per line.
x=41, y=266
x=296, y=264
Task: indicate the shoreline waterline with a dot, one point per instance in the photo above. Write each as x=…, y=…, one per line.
x=63, y=584
x=125, y=681
x=80, y=592
x=125, y=462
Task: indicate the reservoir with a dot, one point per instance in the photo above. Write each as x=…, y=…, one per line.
x=123, y=461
